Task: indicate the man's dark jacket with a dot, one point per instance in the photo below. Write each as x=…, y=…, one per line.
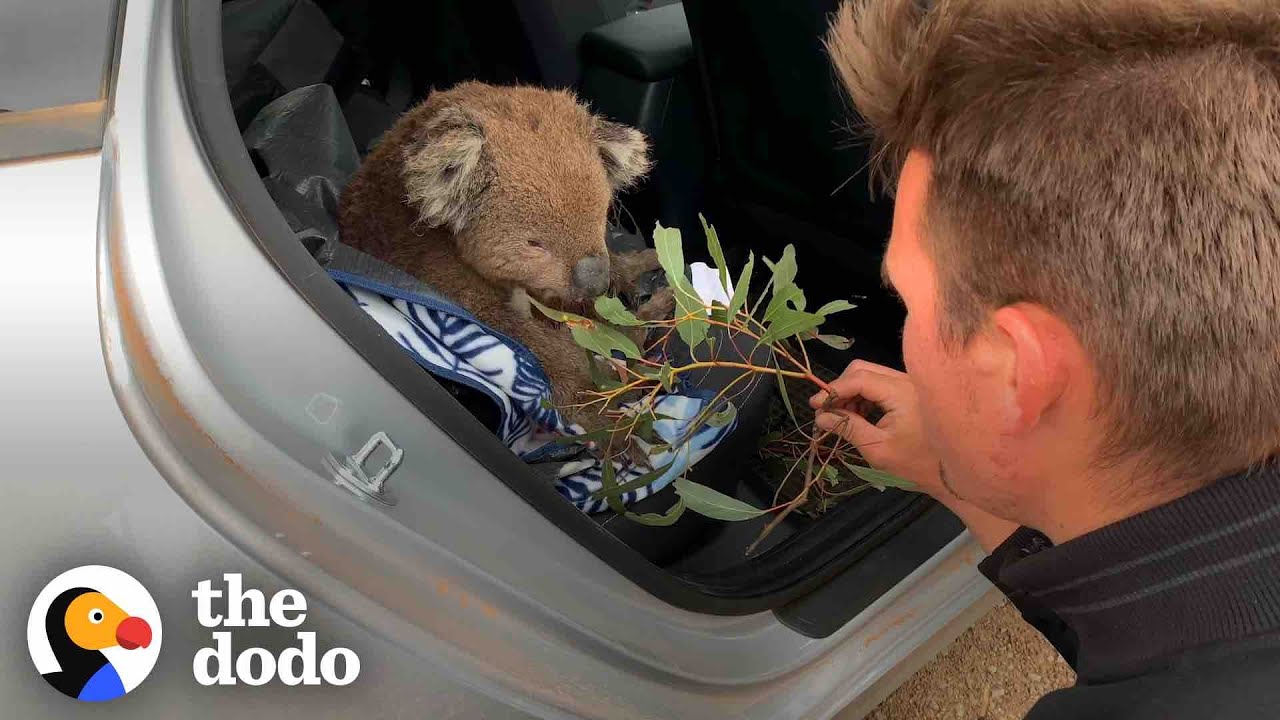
x=1170, y=614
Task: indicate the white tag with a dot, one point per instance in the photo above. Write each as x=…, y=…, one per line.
x=706, y=282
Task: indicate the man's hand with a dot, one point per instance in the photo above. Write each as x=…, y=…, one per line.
x=895, y=443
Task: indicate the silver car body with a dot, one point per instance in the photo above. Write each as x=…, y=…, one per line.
x=170, y=402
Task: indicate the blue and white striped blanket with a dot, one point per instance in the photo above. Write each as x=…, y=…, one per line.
x=449, y=342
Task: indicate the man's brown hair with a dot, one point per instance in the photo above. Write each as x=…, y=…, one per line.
x=1117, y=162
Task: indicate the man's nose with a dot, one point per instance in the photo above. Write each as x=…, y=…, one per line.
x=591, y=275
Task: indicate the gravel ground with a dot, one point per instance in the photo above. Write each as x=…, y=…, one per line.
x=996, y=670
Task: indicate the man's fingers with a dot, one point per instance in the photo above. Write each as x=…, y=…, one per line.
x=851, y=426
x=878, y=387
x=857, y=373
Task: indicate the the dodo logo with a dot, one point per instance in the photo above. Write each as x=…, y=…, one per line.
x=94, y=633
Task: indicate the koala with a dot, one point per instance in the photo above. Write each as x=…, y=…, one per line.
x=493, y=195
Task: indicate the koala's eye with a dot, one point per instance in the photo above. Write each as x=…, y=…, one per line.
x=536, y=244
x=95, y=616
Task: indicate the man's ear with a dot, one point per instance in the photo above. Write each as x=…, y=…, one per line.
x=1042, y=350
x=625, y=153
x=446, y=170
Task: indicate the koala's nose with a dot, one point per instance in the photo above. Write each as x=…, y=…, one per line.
x=591, y=275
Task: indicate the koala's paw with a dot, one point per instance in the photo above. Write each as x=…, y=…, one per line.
x=519, y=303
x=660, y=306
x=608, y=368
x=631, y=273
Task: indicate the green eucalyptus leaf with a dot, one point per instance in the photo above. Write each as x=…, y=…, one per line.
x=787, y=297
x=667, y=243
x=599, y=378
x=666, y=377
x=835, y=306
x=786, y=398
x=713, y=503
x=785, y=294
x=647, y=371
x=788, y=322
x=643, y=481
x=603, y=340
x=879, y=479
x=693, y=329
x=655, y=520
x=557, y=315
x=739, y=299
x=612, y=309
x=784, y=271
x=717, y=252
x=723, y=417
x=836, y=341
x=643, y=429
x=608, y=481
x=670, y=249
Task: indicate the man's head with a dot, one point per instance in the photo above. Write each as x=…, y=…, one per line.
x=1087, y=234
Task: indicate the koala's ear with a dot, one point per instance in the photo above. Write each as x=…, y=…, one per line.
x=446, y=170
x=625, y=153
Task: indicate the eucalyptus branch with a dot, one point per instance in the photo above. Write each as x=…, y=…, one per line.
x=775, y=319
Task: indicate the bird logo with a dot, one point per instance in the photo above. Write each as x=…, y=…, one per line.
x=94, y=633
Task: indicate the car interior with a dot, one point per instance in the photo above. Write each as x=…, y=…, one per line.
x=748, y=127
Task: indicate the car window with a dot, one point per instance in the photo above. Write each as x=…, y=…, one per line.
x=55, y=65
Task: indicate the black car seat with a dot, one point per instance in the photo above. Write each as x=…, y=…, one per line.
x=555, y=29
x=381, y=57
x=785, y=165
x=444, y=42
x=413, y=48
x=377, y=57
x=638, y=70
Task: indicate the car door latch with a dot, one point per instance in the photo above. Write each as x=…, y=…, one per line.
x=352, y=475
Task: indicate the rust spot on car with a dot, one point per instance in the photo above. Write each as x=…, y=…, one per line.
x=143, y=363
x=966, y=557
x=157, y=387
x=888, y=627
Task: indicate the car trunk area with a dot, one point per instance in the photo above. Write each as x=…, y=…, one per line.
x=743, y=115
